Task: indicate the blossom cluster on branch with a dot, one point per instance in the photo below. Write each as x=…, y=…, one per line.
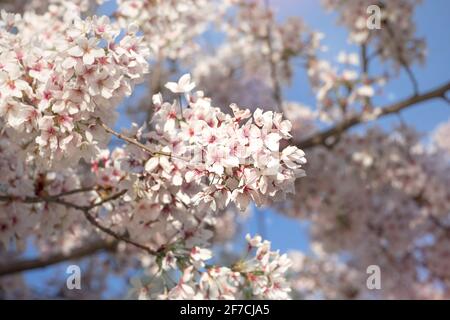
x=56, y=86
x=157, y=193
x=395, y=40
x=169, y=26
x=157, y=196
x=258, y=277
x=398, y=220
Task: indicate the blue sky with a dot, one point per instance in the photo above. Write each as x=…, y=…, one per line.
x=432, y=23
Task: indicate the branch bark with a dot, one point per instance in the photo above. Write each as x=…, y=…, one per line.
x=321, y=137
x=53, y=198
x=42, y=262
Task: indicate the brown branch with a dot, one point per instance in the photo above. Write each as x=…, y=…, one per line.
x=92, y=220
x=105, y=200
x=42, y=262
x=126, y=138
x=321, y=137
x=85, y=209
x=115, y=235
x=52, y=198
x=364, y=59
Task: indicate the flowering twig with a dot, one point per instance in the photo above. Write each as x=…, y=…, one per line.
x=135, y=142
x=53, y=198
x=92, y=220
x=85, y=209
x=129, y=139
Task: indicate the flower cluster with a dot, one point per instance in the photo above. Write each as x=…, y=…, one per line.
x=195, y=162
x=73, y=7
x=395, y=40
x=169, y=26
x=323, y=276
x=57, y=85
x=239, y=154
x=255, y=43
x=49, y=223
x=441, y=137
x=180, y=182
x=260, y=277
x=381, y=195
x=343, y=91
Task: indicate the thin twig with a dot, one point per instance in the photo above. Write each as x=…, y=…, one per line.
x=115, y=235
x=51, y=198
x=136, y=143
x=86, y=211
x=130, y=140
x=364, y=59
x=94, y=222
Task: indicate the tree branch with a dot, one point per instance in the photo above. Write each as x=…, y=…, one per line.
x=92, y=220
x=115, y=235
x=42, y=262
x=364, y=59
x=53, y=198
x=321, y=137
x=85, y=209
x=126, y=138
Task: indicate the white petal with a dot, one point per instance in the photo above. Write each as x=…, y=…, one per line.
x=75, y=51
x=272, y=141
x=89, y=58
x=172, y=86
x=151, y=164
x=184, y=80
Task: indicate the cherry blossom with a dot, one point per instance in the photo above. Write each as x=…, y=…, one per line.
x=214, y=136
x=184, y=85
x=260, y=277
x=74, y=82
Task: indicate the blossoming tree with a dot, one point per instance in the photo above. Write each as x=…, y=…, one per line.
x=214, y=134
